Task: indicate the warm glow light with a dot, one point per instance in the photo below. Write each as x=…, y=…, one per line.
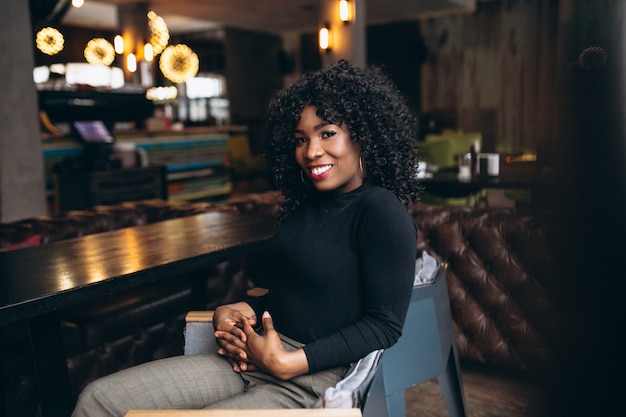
x=345, y=11
x=118, y=42
x=162, y=93
x=324, y=38
x=131, y=63
x=78, y=3
x=50, y=41
x=159, y=33
x=148, y=52
x=99, y=51
x=178, y=63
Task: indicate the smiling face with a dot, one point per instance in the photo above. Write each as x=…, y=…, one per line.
x=326, y=154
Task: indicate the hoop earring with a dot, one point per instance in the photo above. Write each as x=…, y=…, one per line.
x=361, y=166
x=303, y=180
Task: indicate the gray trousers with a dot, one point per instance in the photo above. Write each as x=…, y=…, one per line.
x=197, y=382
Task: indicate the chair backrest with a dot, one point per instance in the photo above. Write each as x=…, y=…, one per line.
x=425, y=350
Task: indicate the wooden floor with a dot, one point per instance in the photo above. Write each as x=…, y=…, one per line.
x=488, y=393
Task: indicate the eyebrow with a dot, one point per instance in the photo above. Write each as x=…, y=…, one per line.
x=315, y=128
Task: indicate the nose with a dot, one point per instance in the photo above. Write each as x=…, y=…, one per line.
x=314, y=149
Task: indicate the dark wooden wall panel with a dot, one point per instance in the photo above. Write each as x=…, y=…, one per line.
x=495, y=69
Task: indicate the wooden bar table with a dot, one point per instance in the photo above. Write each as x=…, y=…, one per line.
x=37, y=282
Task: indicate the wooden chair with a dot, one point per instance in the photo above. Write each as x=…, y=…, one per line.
x=425, y=350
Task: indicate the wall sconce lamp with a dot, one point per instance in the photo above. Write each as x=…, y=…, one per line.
x=131, y=63
x=324, y=37
x=148, y=52
x=118, y=44
x=135, y=51
x=345, y=11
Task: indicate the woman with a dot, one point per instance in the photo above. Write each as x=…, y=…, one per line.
x=341, y=267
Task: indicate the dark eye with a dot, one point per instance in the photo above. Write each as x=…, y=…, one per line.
x=300, y=140
x=328, y=133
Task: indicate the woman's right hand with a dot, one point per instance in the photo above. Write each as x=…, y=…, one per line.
x=231, y=339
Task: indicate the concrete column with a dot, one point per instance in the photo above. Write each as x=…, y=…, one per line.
x=22, y=188
x=348, y=40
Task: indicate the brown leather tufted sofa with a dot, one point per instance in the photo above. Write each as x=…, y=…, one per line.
x=502, y=281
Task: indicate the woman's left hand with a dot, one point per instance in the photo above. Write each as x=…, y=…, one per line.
x=266, y=351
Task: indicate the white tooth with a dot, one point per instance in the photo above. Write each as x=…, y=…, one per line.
x=320, y=170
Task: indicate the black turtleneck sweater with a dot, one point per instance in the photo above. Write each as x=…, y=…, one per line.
x=341, y=272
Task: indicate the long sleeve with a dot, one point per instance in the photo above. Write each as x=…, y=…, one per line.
x=342, y=276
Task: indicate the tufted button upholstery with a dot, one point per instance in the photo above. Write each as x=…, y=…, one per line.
x=501, y=278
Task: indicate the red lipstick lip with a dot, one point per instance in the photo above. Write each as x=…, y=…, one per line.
x=322, y=175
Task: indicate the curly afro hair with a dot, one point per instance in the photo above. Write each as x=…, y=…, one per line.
x=378, y=118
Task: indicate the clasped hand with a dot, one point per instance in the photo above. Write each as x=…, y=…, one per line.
x=244, y=349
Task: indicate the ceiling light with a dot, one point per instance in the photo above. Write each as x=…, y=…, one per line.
x=50, y=41
x=99, y=51
x=159, y=33
x=179, y=63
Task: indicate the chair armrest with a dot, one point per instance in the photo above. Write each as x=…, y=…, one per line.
x=199, y=316
x=257, y=292
x=195, y=316
x=199, y=338
x=299, y=412
x=199, y=331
